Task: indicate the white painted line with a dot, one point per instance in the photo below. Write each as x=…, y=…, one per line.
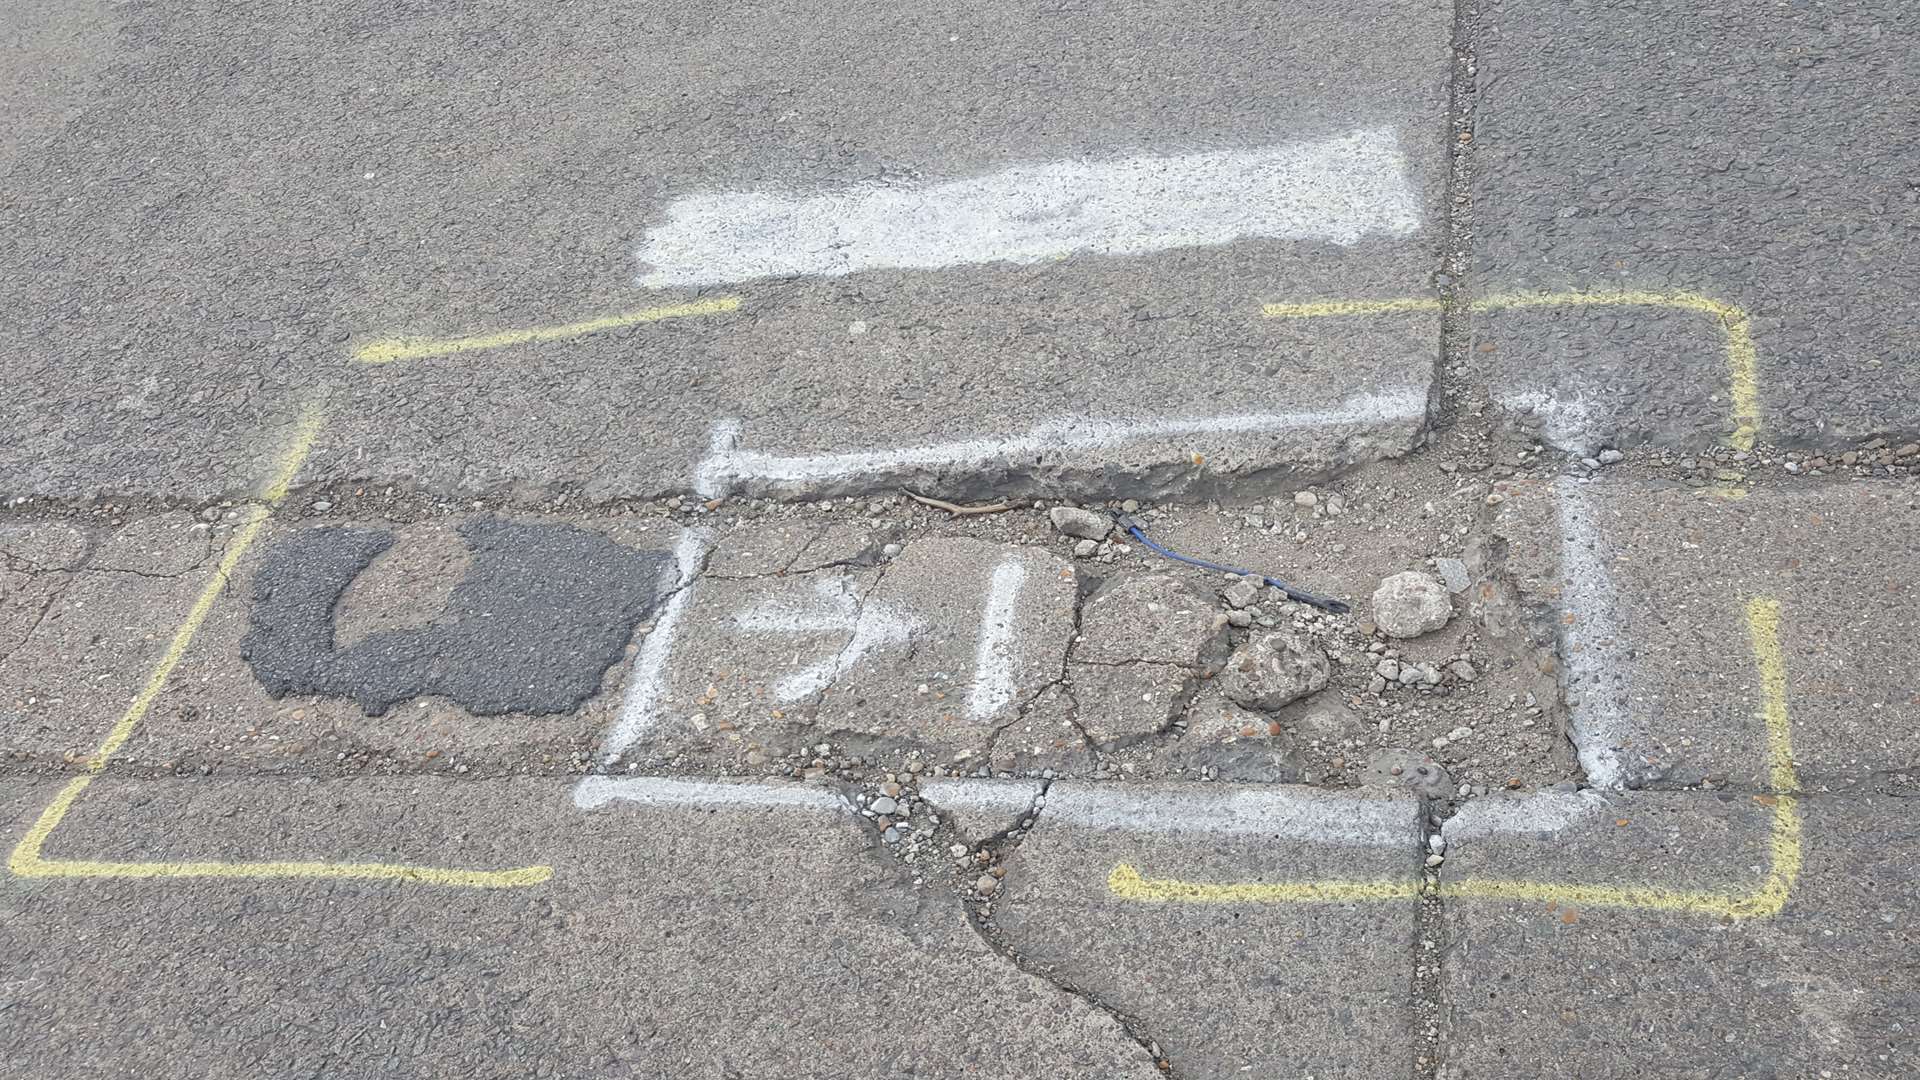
x=979, y=807
x=1319, y=817
x=1339, y=189
x=668, y=793
x=647, y=681
x=1541, y=812
x=1599, y=668
x=713, y=477
x=873, y=626
x=992, y=659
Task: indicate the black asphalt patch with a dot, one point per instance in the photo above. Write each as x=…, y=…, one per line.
x=541, y=614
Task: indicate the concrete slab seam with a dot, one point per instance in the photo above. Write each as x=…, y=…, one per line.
x=1741, y=356
x=26, y=859
x=726, y=463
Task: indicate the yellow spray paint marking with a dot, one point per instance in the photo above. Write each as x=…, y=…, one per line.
x=1784, y=842
x=1326, y=308
x=26, y=859
x=1742, y=359
x=389, y=350
x=1126, y=883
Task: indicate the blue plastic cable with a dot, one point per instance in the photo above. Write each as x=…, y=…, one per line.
x=1132, y=528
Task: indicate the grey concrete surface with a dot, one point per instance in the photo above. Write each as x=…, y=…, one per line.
x=670, y=942
x=198, y=263
x=884, y=792
x=1230, y=988
x=1650, y=585
x=1764, y=159
x=1828, y=986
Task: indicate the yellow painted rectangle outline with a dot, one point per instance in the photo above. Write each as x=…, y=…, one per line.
x=1742, y=358
x=1763, y=632
x=26, y=859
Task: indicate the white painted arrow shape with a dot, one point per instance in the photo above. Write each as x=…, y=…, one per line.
x=873, y=626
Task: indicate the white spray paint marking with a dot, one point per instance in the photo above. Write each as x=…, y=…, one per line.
x=647, y=681
x=668, y=793
x=713, y=477
x=873, y=626
x=992, y=664
x=980, y=807
x=1598, y=666
x=1570, y=424
x=1539, y=812
x=1339, y=189
x=1319, y=818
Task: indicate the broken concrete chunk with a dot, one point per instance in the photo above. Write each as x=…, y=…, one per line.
x=1242, y=592
x=1147, y=617
x=1454, y=573
x=1086, y=524
x=1124, y=704
x=1274, y=670
x=1409, y=604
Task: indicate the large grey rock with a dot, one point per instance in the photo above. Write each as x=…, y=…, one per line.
x=1085, y=524
x=1409, y=604
x=1274, y=670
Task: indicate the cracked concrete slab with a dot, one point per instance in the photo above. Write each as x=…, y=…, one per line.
x=1828, y=985
x=1152, y=617
x=586, y=974
x=214, y=714
x=799, y=547
x=1649, y=587
x=1121, y=704
x=938, y=647
x=1227, y=989
x=164, y=545
x=993, y=624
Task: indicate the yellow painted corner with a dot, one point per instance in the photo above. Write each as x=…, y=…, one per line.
x=26, y=858
x=1784, y=842
x=1741, y=356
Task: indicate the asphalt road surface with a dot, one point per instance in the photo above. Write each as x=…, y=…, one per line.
x=645, y=541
